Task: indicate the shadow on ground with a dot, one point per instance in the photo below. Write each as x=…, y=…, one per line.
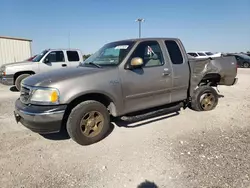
x=13, y=89
x=63, y=135
x=147, y=184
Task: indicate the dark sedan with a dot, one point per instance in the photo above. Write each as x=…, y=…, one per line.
x=243, y=60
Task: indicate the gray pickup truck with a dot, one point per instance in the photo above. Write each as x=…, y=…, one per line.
x=123, y=80
x=14, y=73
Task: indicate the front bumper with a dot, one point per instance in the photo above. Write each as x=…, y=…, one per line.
x=7, y=80
x=40, y=119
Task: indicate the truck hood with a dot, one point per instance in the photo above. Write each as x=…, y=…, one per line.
x=17, y=63
x=47, y=78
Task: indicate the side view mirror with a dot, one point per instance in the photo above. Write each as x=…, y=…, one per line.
x=46, y=60
x=136, y=62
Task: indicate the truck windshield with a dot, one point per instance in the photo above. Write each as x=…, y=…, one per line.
x=39, y=56
x=111, y=54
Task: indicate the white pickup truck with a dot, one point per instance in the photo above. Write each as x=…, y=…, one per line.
x=204, y=54
x=14, y=73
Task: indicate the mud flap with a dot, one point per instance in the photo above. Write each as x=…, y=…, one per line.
x=17, y=117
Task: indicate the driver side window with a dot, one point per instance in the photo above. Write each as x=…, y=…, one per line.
x=55, y=56
x=150, y=52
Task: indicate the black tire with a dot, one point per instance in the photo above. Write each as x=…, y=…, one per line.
x=19, y=80
x=74, y=120
x=196, y=103
x=246, y=65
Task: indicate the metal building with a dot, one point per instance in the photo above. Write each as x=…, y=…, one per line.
x=14, y=49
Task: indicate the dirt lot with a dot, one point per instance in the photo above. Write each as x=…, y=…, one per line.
x=191, y=149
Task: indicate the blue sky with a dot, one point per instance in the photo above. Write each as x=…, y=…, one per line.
x=215, y=25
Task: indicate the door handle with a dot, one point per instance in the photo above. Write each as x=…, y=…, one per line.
x=166, y=72
x=64, y=65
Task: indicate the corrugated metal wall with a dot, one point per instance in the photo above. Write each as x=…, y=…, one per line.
x=12, y=50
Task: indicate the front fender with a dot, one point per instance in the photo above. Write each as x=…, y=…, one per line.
x=15, y=69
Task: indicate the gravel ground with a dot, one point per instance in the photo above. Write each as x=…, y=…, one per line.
x=189, y=149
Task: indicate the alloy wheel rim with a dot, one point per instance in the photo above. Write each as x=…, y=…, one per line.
x=207, y=101
x=245, y=65
x=91, y=124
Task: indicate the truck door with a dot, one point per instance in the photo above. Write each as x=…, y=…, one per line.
x=180, y=69
x=150, y=85
x=53, y=60
x=73, y=58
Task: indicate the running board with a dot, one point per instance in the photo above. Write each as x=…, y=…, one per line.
x=153, y=113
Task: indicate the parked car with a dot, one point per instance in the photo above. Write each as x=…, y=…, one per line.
x=14, y=73
x=122, y=79
x=243, y=60
x=204, y=54
x=248, y=54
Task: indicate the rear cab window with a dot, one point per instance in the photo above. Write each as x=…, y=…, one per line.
x=174, y=52
x=73, y=56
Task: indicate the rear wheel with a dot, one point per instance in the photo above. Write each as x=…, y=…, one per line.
x=19, y=80
x=205, y=98
x=88, y=122
x=246, y=65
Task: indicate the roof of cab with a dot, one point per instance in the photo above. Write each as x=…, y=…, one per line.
x=146, y=39
x=68, y=49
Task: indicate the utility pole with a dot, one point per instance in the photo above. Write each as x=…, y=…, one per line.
x=140, y=20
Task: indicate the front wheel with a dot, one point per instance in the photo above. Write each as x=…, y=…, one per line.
x=88, y=122
x=205, y=98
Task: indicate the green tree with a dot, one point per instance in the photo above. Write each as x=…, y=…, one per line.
x=85, y=56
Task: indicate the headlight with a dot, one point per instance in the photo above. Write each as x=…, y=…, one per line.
x=2, y=70
x=47, y=96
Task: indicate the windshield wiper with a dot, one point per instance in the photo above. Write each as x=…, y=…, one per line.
x=92, y=63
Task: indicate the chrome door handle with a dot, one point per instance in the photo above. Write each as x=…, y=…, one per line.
x=166, y=72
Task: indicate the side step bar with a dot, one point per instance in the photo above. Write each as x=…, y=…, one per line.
x=153, y=113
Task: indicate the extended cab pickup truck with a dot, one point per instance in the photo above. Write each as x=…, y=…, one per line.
x=121, y=80
x=14, y=73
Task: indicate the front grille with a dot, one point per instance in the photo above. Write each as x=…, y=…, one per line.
x=25, y=94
